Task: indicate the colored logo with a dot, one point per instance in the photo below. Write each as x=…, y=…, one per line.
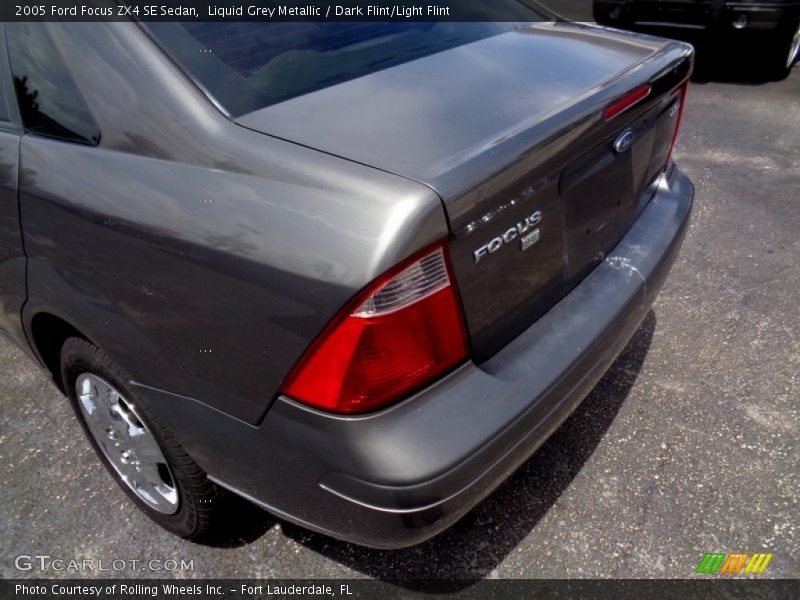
x=735, y=563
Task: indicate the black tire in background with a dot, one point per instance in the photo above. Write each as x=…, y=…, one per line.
x=199, y=501
x=778, y=53
x=793, y=50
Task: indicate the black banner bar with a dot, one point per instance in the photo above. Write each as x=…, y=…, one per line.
x=710, y=588
x=274, y=10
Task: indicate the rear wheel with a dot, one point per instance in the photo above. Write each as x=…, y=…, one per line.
x=136, y=448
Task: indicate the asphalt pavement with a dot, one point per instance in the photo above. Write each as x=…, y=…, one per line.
x=688, y=445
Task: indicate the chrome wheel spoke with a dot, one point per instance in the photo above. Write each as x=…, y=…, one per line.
x=149, y=482
x=159, y=493
x=128, y=472
x=150, y=473
x=89, y=405
x=126, y=421
x=127, y=443
x=148, y=454
x=91, y=398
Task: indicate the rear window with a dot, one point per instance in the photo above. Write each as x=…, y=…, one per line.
x=248, y=66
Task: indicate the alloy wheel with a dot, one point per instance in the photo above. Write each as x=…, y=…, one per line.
x=127, y=443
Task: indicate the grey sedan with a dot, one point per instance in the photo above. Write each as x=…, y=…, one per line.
x=355, y=273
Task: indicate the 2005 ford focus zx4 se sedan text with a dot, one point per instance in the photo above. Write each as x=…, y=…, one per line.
x=356, y=275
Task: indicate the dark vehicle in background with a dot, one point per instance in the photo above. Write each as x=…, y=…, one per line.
x=767, y=30
x=354, y=273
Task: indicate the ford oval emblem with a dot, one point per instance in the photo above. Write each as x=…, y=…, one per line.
x=624, y=142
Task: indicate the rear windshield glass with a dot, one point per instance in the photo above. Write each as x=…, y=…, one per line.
x=248, y=66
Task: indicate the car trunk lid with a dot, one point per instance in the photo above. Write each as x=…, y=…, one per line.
x=510, y=132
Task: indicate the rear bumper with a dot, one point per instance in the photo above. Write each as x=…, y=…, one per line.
x=398, y=477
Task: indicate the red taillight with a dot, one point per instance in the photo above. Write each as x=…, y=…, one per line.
x=627, y=101
x=681, y=95
x=405, y=330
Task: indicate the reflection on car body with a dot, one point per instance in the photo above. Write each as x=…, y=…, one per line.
x=263, y=269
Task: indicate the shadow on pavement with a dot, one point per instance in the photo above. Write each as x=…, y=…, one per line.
x=474, y=546
x=243, y=524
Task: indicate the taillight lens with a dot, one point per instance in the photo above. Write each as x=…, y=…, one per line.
x=681, y=94
x=404, y=331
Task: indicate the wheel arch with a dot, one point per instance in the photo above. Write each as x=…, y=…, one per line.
x=48, y=333
x=61, y=305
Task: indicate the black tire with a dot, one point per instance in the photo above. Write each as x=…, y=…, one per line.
x=200, y=501
x=779, y=49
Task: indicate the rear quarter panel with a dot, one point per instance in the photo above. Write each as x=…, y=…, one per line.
x=201, y=256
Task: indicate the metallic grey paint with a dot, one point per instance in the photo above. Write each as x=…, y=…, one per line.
x=12, y=255
x=501, y=127
x=219, y=252
x=399, y=476
x=452, y=128
x=205, y=256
